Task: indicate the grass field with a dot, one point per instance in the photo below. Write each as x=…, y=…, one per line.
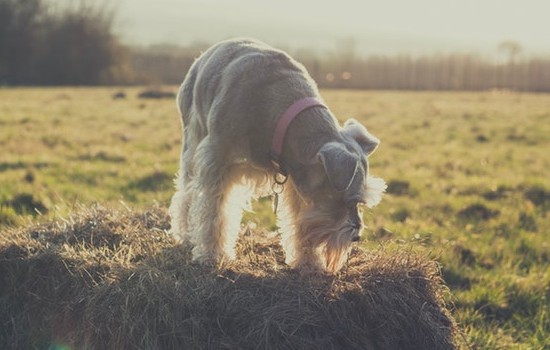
x=467, y=175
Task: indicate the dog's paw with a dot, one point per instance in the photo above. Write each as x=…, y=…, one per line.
x=309, y=267
x=210, y=258
x=176, y=237
x=205, y=259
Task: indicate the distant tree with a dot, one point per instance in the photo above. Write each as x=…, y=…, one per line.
x=508, y=76
x=79, y=47
x=19, y=26
x=40, y=44
x=511, y=49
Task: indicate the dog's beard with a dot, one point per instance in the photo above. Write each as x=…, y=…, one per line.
x=332, y=238
x=337, y=247
x=375, y=188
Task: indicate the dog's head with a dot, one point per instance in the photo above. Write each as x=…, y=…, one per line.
x=335, y=185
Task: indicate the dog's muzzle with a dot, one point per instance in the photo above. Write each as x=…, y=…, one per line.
x=357, y=227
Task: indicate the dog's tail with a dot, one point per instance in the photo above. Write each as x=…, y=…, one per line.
x=185, y=97
x=185, y=106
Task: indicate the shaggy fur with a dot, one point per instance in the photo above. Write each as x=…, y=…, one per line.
x=230, y=102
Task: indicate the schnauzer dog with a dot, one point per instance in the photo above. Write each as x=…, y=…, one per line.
x=253, y=118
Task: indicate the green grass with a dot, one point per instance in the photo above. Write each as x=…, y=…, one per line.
x=67, y=146
x=467, y=174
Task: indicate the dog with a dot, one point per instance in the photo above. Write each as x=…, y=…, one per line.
x=252, y=118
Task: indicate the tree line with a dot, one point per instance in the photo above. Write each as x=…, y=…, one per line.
x=44, y=45
x=438, y=72
x=168, y=64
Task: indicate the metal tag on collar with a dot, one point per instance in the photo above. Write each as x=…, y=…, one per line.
x=279, y=181
x=276, y=162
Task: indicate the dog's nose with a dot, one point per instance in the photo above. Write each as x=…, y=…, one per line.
x=357, y=227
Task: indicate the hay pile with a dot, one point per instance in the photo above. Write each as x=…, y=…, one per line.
x=113, y=280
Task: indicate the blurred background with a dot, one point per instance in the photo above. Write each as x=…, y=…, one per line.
x=360, y=44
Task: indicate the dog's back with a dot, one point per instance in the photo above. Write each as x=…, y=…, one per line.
x=241, y=82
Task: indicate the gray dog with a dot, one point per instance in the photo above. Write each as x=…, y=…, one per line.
x=252, y=118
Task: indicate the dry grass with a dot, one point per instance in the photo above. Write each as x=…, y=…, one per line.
x=107, y=279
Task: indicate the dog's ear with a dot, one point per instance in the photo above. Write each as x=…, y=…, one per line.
x=340, y=165
x=356, y=131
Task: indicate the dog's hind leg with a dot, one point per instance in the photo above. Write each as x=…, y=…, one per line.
x=179, y=207
x=181, y=201
x=213, y=225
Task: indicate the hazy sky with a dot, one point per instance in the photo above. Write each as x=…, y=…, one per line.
x=377, y=26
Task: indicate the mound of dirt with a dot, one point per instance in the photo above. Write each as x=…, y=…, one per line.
x=156, y=94
x=107, y=279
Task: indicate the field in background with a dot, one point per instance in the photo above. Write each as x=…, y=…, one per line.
x=467, y=174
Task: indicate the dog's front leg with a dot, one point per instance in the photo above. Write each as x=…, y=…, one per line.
x=301, y=252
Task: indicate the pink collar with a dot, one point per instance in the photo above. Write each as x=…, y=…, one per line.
x=282, y=125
